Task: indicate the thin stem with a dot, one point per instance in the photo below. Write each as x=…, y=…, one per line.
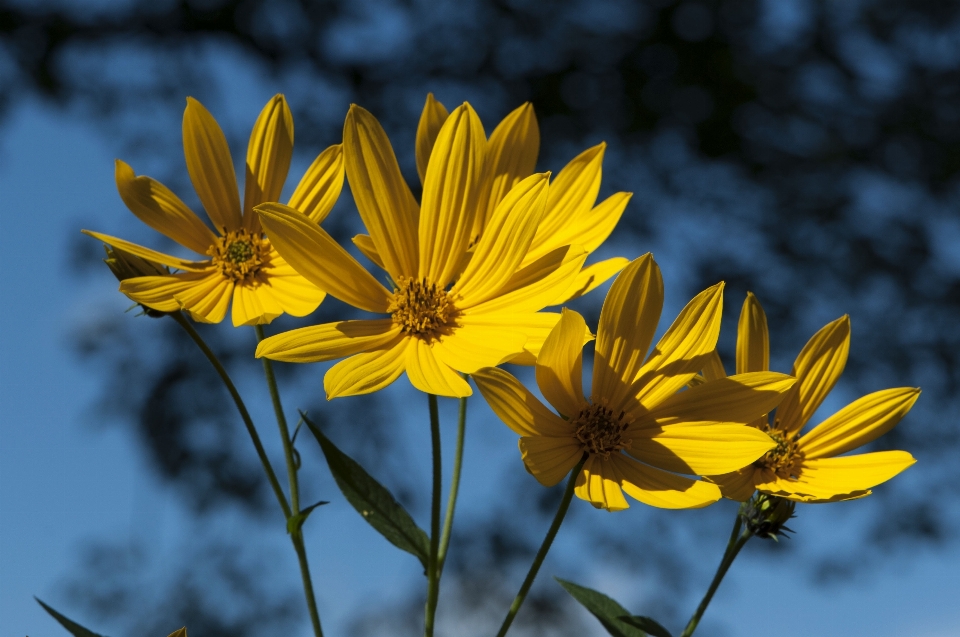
x=454, y=486
x=244, y=414
x=542, y=553
x=433, y=564
x=296, y=535
x=737, y=541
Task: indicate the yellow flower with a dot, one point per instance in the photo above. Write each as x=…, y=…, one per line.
x=434, y=329
x=807, y=468
x=570, y=218
x=638, y=432
x=242, y=263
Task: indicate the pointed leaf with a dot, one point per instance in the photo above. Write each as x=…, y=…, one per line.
x=603, y=608
x=75, y=629
x=294, y=522
x=648, y=624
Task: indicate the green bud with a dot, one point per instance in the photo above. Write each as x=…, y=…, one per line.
x=127, y=266
x=766, y=516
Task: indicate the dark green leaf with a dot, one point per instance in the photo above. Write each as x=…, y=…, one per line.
x=296, y=521
x=648, y=624
x=603, y=608
x=373, y=501
x=75, y=629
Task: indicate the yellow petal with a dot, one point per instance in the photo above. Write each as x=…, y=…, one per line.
x=511, y=156
x=826, y=478
x=560, y=364
x=590, y=230
x=315, y=255
x=661, y=489
x=599, y=484
x=159, y=292
x=254, y=305
x=628, y=322
x=210, y=167
x=549, y=459
x=431, y=375
x=859, y=422
x=449, y=202
x=593, y=276
x=386, y=205
x=696, y=449
x=497, y=256
x=367, y=372
x=268, y=159
x=713, y=367
x=738, y=485
x=155, y=205
x=535, y=326
x=207, y=301
x=150, y=255
x=517, y=407
x=365, y=244
x=326, y=342
x=572, y=194
x=320, y=187
x=431, y=120
x=296, y=295
x=556, y=280
x=753, y=341
x=472, y=346
x=817, y=369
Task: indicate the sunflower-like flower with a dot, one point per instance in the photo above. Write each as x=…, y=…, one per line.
x=638, y=430
x=810, y=468
x=444, y=317
x=242, y=264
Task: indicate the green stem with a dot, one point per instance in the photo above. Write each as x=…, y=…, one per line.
x=454, y=487
x=542, y=553
x=433, y=565
x=296, y=535
x=244, y=414
x=737, y=541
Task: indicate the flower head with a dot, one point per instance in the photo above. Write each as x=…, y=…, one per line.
x=640, y=433
x=241, y=263
x=448, y=310
x=810, y=468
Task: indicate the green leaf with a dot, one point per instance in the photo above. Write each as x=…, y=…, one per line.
x=294, y=522
x=648, y=624
x=75, y=629
x=373, y=501
x=603, y=608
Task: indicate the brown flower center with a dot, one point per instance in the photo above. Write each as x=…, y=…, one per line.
x=599, y=431
x=423, y=309
x=239, y=254
x=785, y=458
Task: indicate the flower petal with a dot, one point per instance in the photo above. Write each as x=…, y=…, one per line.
x=593, y=276
x=318, y=343
x=449, y=202
x=254, y=305
x=738, y=485
x=560, y=364
x=431, y=375
x=315, y=255
x=368, y=371
x=662, y=489
x=753, y=340
x=150, y=255
x=517, y=407
x=550, y=459
x=572, y=195
x=859, y=422
x=268, y=159
x=365, y=244
x=159, y=292
x=431, y=120
x=590, y=229
x=817, y=368
x=210, y=166
x=700, y=450
x=824, y=479
x=599, y=484
x=386, y=205
x=472, y=346
x=535, y=326
x=296, y=295
x=155, y=205
x=207, y=302
x=628, y=321
x=713, y=367
x=321, y=185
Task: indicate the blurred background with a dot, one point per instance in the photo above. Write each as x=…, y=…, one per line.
x=806, y=151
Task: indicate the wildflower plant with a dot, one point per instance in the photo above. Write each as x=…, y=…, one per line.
x=470, y=270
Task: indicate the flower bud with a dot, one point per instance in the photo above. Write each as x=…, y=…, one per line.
x=766, y=515
x=127, y=266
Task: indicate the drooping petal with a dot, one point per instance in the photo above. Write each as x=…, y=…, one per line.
x=560, y=364
x=599, y=484
x=497, y=256
x=753, y=340
x=254, y=305
x=431, y=375
x=660, y=488
x=550, y=459
x=475, y=345
x=159, y=292
x=511, y=156
x=431, y=120
x=817, y=368
x=208, y=301
x=858, y=423
x=315, y=255
x=697, y=449
x=517, y=407
x=365, y=244
x=321, y=185
x=210, y=166
x=368, y=371
x=449, y=202
x=572, y=194
x=589, y=230
x=296, y=295
x=155, y=205
x=738, y=485
x=593, y=276
x=150, y=255
x=539, y=293
x=628, y=322
x=268, y=159
x=824, y=479
x=386, y=205
x=326, y=342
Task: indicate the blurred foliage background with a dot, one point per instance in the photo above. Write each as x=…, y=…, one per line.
x=805, y=150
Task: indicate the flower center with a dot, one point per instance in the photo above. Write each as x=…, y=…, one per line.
x=239, y=254
x=785, y=458
x=422, y=309
x=599, y=431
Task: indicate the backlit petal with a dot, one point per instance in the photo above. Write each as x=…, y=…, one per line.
x=431, y=375
x=207, y=301
x=431, y=120
x=713, y=367
x=159, y=292
x=701, y=450
x=572, y=195
x=594, y=276
x=472, y=346
x=753, y=341
x=660, y=488
x=320, y=187
x=599, y=484
x=517, y=407
x=326, y=342
x=150, y=255
x=268, y=159
x=590, y=230
x=535, y=326
x=296, y=295
x=368, y=371
x=254, y=305
x=210, y=166
x=549, y=459
x=539, y=293
x=826, y=478
x=560, y=364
